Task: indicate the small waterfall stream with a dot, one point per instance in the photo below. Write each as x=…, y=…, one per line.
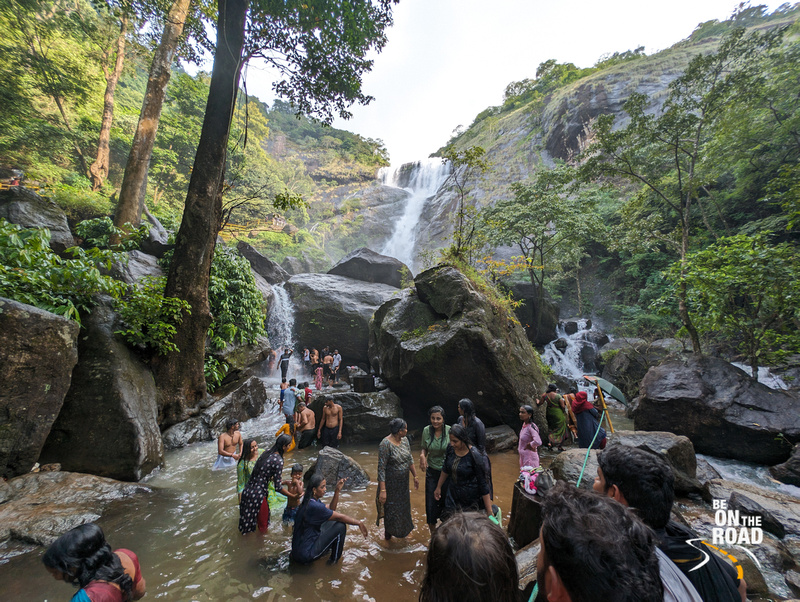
x=572, y=355
x=280, y=329
x=421, y=181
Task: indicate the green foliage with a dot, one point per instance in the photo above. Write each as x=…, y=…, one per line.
x=149, y=318
x=79, y=202
x=215, y=370
x=31, y=273
x=97, y=233
x=747, y=290
x=466, y=239
x=236, y=303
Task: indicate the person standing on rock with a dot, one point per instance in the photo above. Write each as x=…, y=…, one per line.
x=229, y=446
x=435, y=439
x=307, y=360
x=283, y=362
x=335, y=364
x=588, y=419
x=306, y=425
x=327, y=362
x=330, y=429
x=529, y=439
x=393, y=500
x=556, y=417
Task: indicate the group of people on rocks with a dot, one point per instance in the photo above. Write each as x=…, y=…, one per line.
x=324, y=367
x=616, y=542
x=571, y=416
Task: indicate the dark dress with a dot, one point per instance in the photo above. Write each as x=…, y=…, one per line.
x=314, y=533
x=588, y=422
x=477, y=434
x=466, y=482
x=394, y=462
x=268, y=468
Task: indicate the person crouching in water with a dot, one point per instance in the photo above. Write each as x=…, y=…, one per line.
x=295, y=487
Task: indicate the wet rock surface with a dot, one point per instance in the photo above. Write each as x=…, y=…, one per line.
x=366, y=416
x=263, y=266
x=789, y=471
x=335, y=465
x=501, y=438
x=37, y=353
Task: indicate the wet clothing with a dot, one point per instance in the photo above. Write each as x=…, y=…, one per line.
x=307, y=438
x=715, y=581
x=290, y=514
x=289, y=402
x=314, y=533
x=329, y=436
x=394, y=462
x=466, y=482
x=529, y=434
x=677, y=588
x=283, y=363
x=98, y=591
x=477, y=434
x=588, y=420
x=556, y=420
x=244, y=468
x=268, y=468
x=435, y=451
x=137, y=569
x=223, y=462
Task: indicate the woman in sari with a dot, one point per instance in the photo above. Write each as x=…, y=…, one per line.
x=556, y=417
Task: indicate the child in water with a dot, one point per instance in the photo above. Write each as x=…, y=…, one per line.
x=295, y=486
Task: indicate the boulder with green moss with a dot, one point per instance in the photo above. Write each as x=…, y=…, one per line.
x=446, y=339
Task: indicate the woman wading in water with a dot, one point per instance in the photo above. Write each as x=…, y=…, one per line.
x=393, y=499
x=267, y=468
x=463, y=469
x=319, y=528
x=435, y=439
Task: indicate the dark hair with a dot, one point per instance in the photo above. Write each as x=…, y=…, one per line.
x=297, y=467
x=470, y=558
x=281, y=442
x=468, y=408
x=644, y=478
x=314, y=482
x=573, y=390
x=436, y=410
x=396, y=425
x=552, y=387
x=246, y=451
x=230, y=423
x=292, y=382
x=528, y=409
x=599, y=549
x=83, y=555
x=460, y=432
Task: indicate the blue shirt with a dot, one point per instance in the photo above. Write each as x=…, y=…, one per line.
x=307, y=525
x=289, y=400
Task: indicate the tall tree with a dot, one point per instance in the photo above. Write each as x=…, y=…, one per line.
x=466, y=164
x=320, y=48
x=663, y=153
x=134, y=182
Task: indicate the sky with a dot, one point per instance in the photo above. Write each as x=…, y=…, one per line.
x=448, y=60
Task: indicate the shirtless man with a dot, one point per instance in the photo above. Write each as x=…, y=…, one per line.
x=330, y=431
x=306, y=425
x=229, y=446
x=327, y=364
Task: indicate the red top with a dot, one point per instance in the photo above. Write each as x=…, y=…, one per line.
x=137, y=576
x=100, y=591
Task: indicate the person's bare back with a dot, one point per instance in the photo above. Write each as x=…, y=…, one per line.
x=308, y=421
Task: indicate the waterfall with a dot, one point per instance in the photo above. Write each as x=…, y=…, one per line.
x=421, y=180
x=280, y=325
x=572, y=355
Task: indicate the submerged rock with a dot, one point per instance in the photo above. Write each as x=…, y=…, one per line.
x=37, y=353
x=721, y=409
x=108, y=423
x=44, y=505
x=367, y=265
x=445, y=340
x=334, y=465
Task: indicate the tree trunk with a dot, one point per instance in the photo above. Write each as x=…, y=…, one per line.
x=99, y=169
x=134, y=182
x=683, y=309
x=179, y=376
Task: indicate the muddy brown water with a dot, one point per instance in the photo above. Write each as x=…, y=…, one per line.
x=190, y=549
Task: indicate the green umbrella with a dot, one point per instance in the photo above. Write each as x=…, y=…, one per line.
x=607, y=388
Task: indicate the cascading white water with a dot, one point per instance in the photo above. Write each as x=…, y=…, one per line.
x=426, y=177
x=765, y=376
x=569, y=363
x=280, y=325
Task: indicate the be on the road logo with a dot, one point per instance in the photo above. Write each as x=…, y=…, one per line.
x=733, y=528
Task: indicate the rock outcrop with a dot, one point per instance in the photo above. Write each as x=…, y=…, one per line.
x=625, y=361
x=539, y=322
x=42, y=506
x=367, y=265
x=21, y=206
x=138, y=266
x=721, y=409
x=37, y=353
x=444, y=340
x=366, y=415
x=782, y=509
x=334, y=465
x=110, y=406
x=501, y=438
x=336, y=311
x=263, y=266
x=245, y=401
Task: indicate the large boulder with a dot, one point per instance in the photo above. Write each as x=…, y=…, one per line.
x=241, y=402
x=243, y=359
x=366, y=416
x=263, y=266
x=157, y=241
x=625, y=361
x=789, y=471
x=138, y=265
x=367, y=265
x=37, y=353
x=501, y=438
x=110, y=406
x=720, y=408
x=21, y=206
x=444, y=340
x=568, y=464
x=336, y=311
x=334, y=465
x=781, y=508
x=44, y=505
x=265, y=288
x=540, y=321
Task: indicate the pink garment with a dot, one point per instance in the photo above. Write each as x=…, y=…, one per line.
x=529, y=434
x=318, y=378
